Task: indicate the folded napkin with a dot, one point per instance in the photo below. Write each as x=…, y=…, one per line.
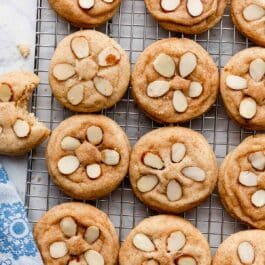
x=17, y=246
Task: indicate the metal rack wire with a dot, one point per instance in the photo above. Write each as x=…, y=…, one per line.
x=134, y=28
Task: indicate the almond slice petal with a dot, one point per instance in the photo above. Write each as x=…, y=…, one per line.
x=153, y=161
x=75, y=94
x=248, y=179
x=178, y=151
x=195, y=7
x=110, y=157
x=86, y=4
x=194, y=173
x=92, y=234
x=93, y=257
x=109, y=56
x=169, y=5
x=68, y=164
x=58, y=249
x=186, y=261
x=68, y=226
x=195, y=89
x=63, y=71
x=246, y=253
x=103, y=86
x=93, y=171
x=21, y=128
x=257, y=160
x=70, y=143
x=164, y=65
x=258, y=198
x=176, y=241
x=80, y=47
x=248, y=108
x=5, y=93
x=147, y=183
x=236, y=82
x=187, y=64
x=108, y=1
x=253, y=12
x=94, y=135
x=174, y=191
x=157, y=88
x=257, y=69
x=179, y=101
x=143, y=242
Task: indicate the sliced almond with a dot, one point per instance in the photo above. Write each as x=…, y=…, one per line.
x=179, y=101
x=246, y=253
x=174, y=191
x=110, y=157
x=70, y=143
x=75, y=94
x=194, y=173
x=109, y=56
x=164, y=65
x=236, y=82
x=63, y=71
x=257, y=69
x=21, y=128
x=248, y=108
x=92, y=234
x=248, y=179
x=187, y=64
x=68, y=226
x=93, y=257
x=86, y=4
x=103, y=86
x=68, y=164
x=108, y=1
x=253, y=12
x=186, y=261
x=80, y=47
x=169, y=5
x=258, y=198
x=195, y=7
x=178, y=151
x=58, y=249
x=257, y=160
x=143, y=242
x=5, y=93
x=147, y=183
x=93, y=171
x=157, y=88
x=94, y=135
x=153, y=160
x=195, y=89
x=176, y=241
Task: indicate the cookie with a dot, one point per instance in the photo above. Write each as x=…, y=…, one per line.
x=89, y=72
x=88, y=156
x=245, y=247
x=76, y=234
x=242, y=88
x=163, y=240
x=172, y=169
x=240, y=183
x=86, y=13
x=187, y=16
x=249, y=18
x=20, y=131
x=175, y=80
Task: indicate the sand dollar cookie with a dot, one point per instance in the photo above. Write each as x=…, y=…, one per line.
x=243, y=90
x=86, y=13
x=163, y=240
x=88, y=156
x=249, y=18
x=187, y=16
x=76, y=234
x=245, y=247
x=175, y=80
x=172, y=169
x=89, y=71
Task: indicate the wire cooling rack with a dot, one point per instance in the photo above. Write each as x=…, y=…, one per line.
x=134, y=28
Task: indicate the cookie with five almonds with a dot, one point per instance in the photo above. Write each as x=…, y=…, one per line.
x=76, y=234
x=172, y=169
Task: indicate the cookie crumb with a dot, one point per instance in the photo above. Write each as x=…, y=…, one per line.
x=24, y=49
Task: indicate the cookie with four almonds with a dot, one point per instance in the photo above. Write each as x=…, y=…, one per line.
x=241, y=181
x=243, y=90
x=88, y=156
x=249, y=18
x=245, y=247
x=175, y=80
x=187, y=16
x=86, y=13
x=20, y=131
x=163, y=240
x=76, y=234
x=172, y=169
x=89, y=71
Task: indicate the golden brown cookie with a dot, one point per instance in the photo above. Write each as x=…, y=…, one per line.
x=187, y=16
x=175, y=80
x=241, y=181
x=243, y=90
x=88, y=156
x=245, y=247
x=89, y=71
x=249, y=18
x=76, y=234
x=172, y=169
x=86, y=13
x=164, y=240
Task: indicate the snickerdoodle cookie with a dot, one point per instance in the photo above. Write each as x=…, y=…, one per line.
x=76, y=234
x=86, y=13
x=243, y=89
x=172, y=169
x=164, y=240
x=88, y=156
x=175, y=80
x=187, y=16
x=249, y=18
x=241, y=181
x=89, y=71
